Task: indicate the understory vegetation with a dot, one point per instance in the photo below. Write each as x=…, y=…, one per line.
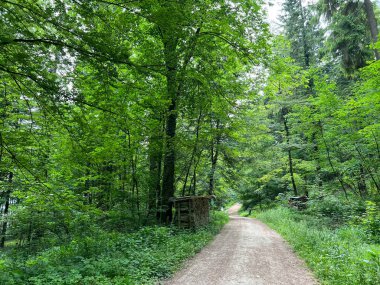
x=143, y=256
x=346, y=254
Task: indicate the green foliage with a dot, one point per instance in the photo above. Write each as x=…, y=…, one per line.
x=341, y=256
x=88, y=90
x=140, y=257
x=371, y=220
x=335, y=209
x=322, y=125
x=109, y=108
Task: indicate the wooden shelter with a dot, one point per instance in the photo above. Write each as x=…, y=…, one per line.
x=191, y=211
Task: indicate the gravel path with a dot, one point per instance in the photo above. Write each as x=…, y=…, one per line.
x=246, y=252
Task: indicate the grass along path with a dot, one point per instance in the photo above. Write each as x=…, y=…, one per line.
x=338, y=257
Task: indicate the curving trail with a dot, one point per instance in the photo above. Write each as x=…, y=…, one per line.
x=246, y=252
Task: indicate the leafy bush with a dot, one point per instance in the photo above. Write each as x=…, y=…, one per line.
x=371, y=220
x=342, y=256
x=335, y=209
x=141, y=257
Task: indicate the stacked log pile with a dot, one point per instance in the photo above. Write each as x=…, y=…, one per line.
x=191, y=211
x=299, y=203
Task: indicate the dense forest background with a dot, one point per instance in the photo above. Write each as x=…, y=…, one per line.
x=110, y=108
x=321, y=104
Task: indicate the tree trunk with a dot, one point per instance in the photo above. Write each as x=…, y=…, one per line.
x=171, y=60
x=136, y=183
x=193, y=183
x=318, y=179
x=169, y=165
x=5, y=212
x=368, y=7
x=362, y=187
x=174, y=85
x=214, y=159
x=290, y=159
x=194, y=152
x=306, y=49
x=155, y=167
x=194, y=188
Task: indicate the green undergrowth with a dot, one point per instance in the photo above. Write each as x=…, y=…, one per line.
x=340, y=256
x=142, y=257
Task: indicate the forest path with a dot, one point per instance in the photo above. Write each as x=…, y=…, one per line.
x=245, y=252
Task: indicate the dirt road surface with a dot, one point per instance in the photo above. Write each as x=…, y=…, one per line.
x=246, y=252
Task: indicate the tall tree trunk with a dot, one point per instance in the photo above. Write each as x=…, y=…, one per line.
x=318, y=179
x=368, y=7
x=194, y=187
x=214, y=158
x=174, y=84
x=133, y=164
x=194, y=152
x=168, y=188
x=193, y=182
x=188, y=173
x=155, y=181
x=290, y=159
x=362, y=187
x=155, y=167
x=169, y=165
x=136, y=183
x=306, y=49
x=5, y=212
